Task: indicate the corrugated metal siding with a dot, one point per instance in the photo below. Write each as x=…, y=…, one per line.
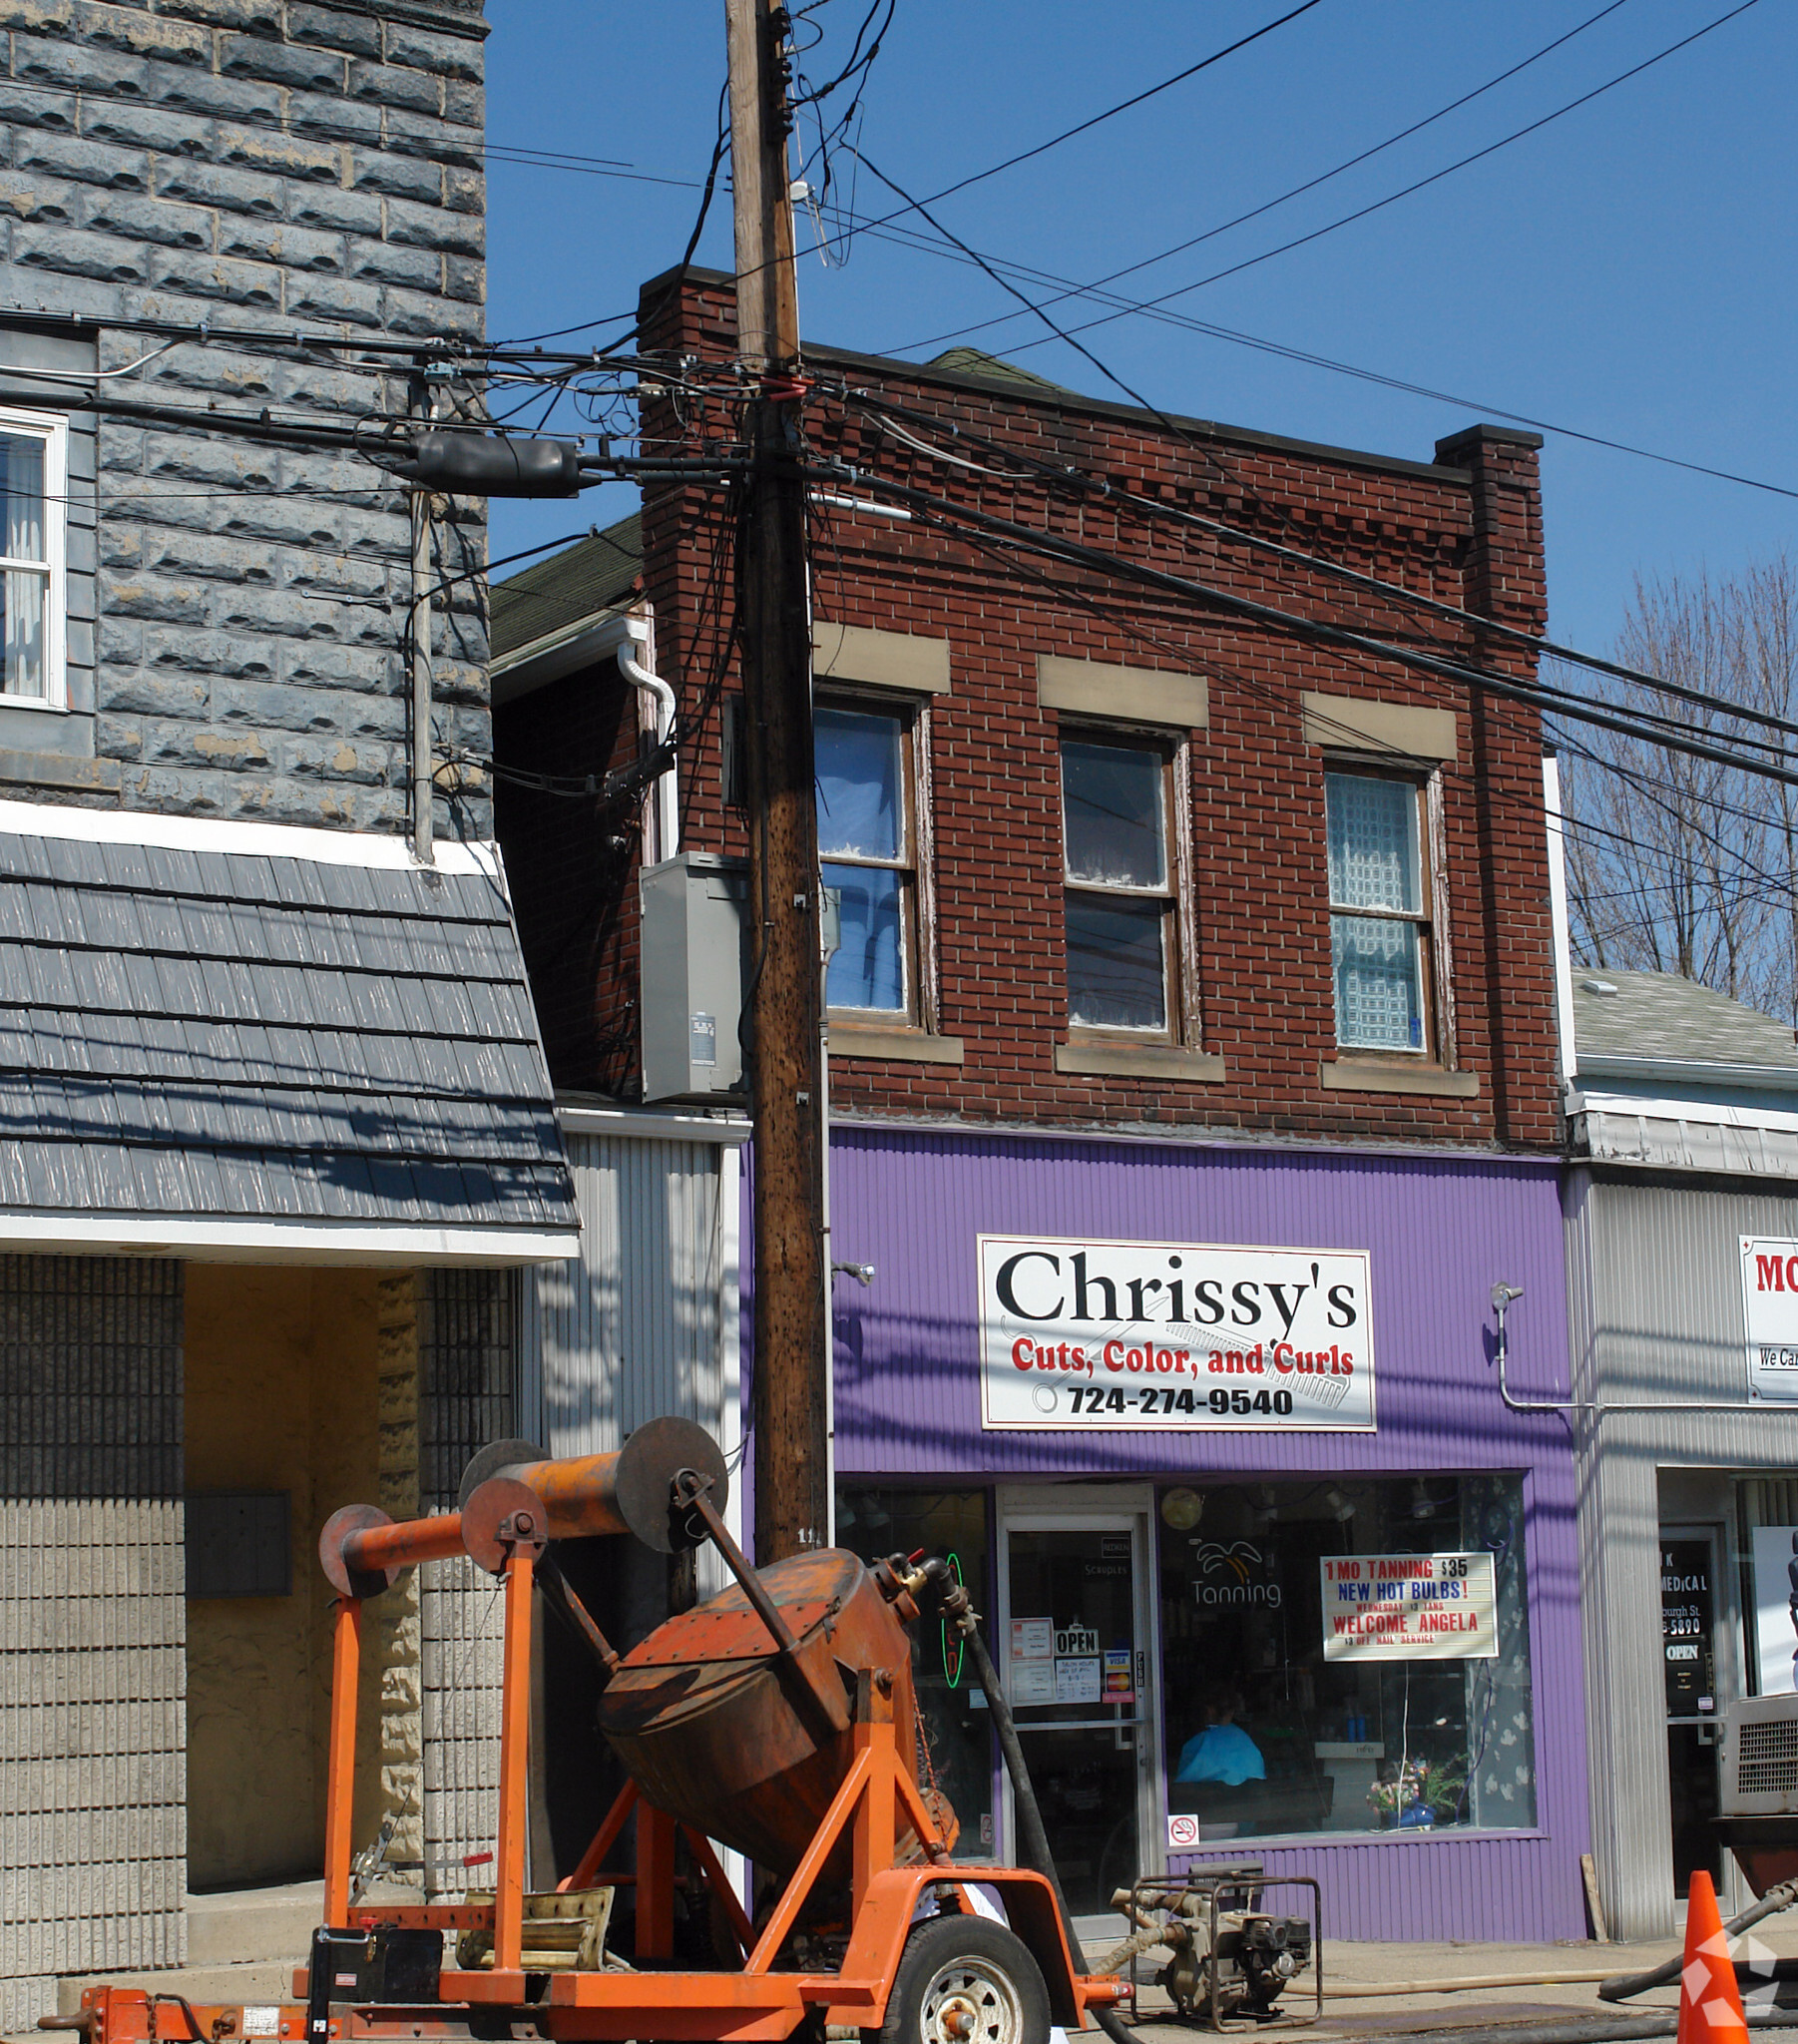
x=1656, y=1313
x=1441, y=1231
x=1413, y=1890
x=631, y=1330
x=639, y=1326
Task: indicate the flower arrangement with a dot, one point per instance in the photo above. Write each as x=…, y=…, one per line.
x=1420, y=1793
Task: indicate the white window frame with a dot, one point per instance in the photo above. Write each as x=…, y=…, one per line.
x=1424, y=778
x=918, y=924
x=52, y=429
x=1179, y=945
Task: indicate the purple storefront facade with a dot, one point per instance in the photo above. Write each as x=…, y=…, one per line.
x=1431, y=1798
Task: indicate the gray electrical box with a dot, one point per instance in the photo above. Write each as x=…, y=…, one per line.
x=693, y=949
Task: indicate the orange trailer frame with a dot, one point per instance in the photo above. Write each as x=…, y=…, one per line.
x=877, y=1801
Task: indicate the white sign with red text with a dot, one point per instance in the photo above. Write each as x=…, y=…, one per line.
x=1770, y=1318
x=1409, y=1607
x=1161, y=1336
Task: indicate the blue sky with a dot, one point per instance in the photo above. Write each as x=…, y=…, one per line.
x=1628, y=271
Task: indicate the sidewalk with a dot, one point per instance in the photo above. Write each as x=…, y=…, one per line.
x=1349, y=1970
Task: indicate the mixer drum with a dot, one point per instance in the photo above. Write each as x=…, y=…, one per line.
x=708, y=1726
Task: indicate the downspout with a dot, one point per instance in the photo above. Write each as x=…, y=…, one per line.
x=421, y=676
x=423, y=761
x=667, y=806
x=1558, y=914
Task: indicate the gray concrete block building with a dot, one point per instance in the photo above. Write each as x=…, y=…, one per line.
x=275, y=1129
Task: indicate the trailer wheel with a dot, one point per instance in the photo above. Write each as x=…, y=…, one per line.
x=965, y=1980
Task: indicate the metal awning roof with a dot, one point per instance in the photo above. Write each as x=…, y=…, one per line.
x=253, y=1041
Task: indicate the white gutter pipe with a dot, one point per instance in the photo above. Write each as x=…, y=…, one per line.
x=667, y=811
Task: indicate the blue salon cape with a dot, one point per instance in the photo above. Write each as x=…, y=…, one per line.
x=1221, y=1752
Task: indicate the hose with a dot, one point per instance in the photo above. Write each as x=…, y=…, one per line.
x=1033, y=1839
x=1624, y=1986
x=1584, y=2030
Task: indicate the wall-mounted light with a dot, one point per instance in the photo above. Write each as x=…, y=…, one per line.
x=863, y=1273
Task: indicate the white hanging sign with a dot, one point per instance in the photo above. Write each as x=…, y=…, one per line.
x=1173, y=1337
x=1770, y=1316
x=1409, y=1607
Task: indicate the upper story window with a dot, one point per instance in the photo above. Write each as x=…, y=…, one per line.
x=1381, y=938
x=33, y=495
x=868, y=850
x=1121, y=898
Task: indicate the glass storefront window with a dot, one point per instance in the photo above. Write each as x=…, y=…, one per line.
x=874, y=1523
x=1265, y=1735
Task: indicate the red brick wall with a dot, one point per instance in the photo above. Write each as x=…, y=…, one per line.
x=571, y=865
x=1467, y=533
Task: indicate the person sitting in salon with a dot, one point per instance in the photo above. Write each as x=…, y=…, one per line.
x=1221, y=1752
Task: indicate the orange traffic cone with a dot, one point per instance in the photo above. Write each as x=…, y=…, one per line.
x=1710, y=2004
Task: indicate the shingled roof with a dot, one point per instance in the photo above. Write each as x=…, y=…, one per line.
x=1663, y=1015
x=595, y=575
x=232, y=1036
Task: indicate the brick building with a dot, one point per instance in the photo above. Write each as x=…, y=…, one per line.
x=1192, y=1076
x=277, y=1127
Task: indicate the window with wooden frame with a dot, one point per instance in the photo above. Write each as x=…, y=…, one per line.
x=1387, y=961
x=871, y=833
x=1126, y=887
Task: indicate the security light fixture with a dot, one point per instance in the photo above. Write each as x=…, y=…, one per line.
x=863, y=1273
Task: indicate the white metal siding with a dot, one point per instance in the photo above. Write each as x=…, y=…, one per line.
x=1656, y=1314
x=644, y=1322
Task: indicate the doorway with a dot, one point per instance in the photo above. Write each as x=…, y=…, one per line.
x=1689, y=1585
x=1078, y=1649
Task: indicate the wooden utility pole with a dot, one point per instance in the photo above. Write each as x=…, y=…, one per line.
x=791, y=1332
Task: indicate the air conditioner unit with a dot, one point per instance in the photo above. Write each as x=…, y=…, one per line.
x=1757, y=1784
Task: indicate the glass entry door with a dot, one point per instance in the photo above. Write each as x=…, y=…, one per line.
x=1688, y=1631
x=1075, y=1649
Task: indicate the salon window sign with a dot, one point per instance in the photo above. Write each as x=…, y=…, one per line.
x=1770, y=1316
x=1409, y=1607
x=1159, y=1336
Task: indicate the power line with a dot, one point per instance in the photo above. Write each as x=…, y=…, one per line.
x=1110, y=375
x=1539, y=695
x=1110, y=112
x=952, y=252
x=1436, y=177
x=1153, y=508
x=1310, y=183
x=1131, y=624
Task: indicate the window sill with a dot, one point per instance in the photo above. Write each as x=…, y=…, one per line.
x=61, y=769
x=1139, y=1061
x=42, y=703
x=1347, y=1075
x=894, y=1046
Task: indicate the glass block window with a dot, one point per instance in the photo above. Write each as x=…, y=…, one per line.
x=1119, y=896
x=866, y=847
x=32, y=493
x=1379, y=927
